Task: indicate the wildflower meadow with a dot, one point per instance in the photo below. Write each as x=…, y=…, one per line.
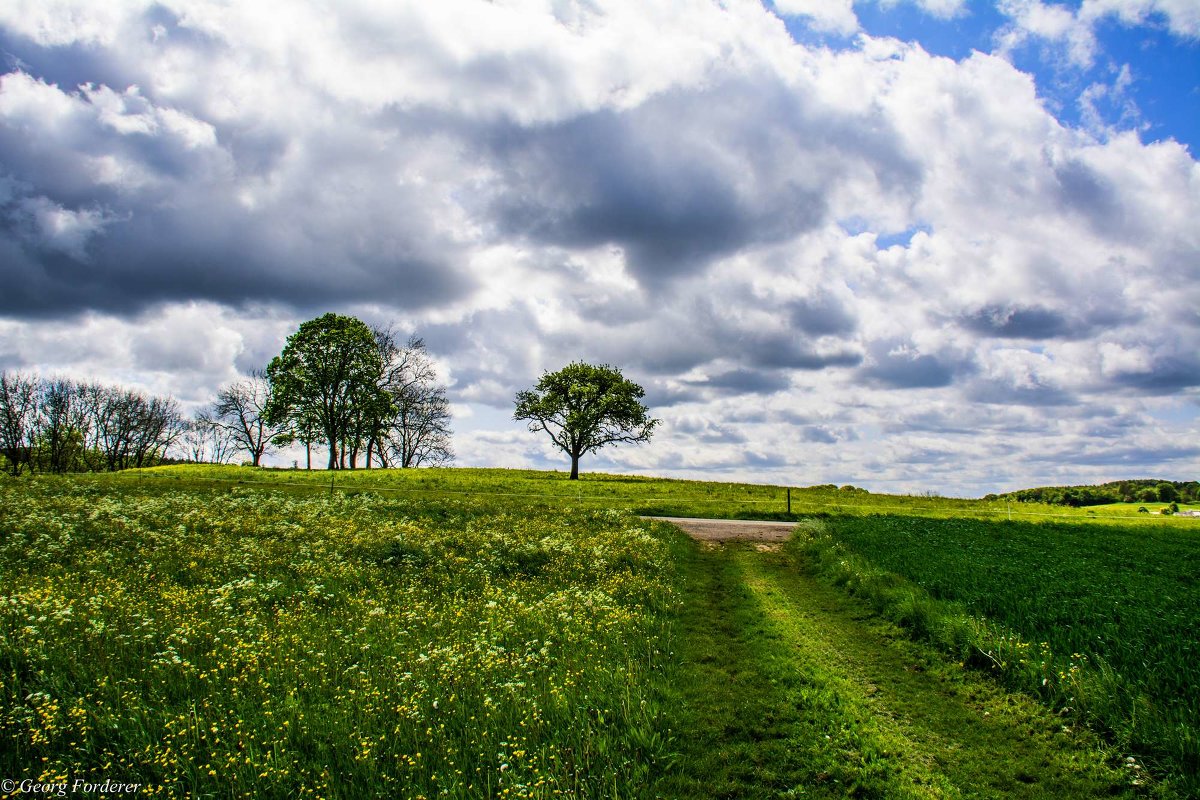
x=250, y=643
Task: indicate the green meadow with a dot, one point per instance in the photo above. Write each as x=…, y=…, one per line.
x=230, y=632
x=641, y=495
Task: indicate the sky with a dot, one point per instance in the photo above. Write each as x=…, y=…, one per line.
x=912, y=245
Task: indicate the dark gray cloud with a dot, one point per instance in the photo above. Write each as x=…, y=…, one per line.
x=745, y=381
x=73, y=64
x=962, y=420
x=10, y=360
x=1116, y=426
x=1089, y=194
x=189, y=237
x=784, y=351
x=660, y=394
x=707, y=431
x=154, y=257
x=1001, y=392
x=822, y=315
x=897, y=365
x=1167, y=374
x=818, y=434
x=680, y=179
x=1088, y=314
x=927, y=455
x=1135, y=458
x=1033, y=322
x=761, y=460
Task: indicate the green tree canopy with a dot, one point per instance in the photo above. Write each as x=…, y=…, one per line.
x=326, y=377
x=583, y=407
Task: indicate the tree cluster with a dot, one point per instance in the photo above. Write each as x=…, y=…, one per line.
x=1144, y=490
x=59, y=425
x=360, y=392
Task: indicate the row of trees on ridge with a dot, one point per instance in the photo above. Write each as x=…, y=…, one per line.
x=1144, y=490
x=358, y=391
x=60, y=425
x=363, y=393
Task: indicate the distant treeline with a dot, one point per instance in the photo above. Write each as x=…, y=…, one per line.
x=358, y=390
x=1145, y=490
x=59, y=425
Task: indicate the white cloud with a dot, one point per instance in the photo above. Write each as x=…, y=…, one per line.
x=943, y=9
x=838, y=16
x=63, y=22
x=835, y=16
x=1033, y=19
x=1182, y=16
x=1074, y=29
x=63, y=229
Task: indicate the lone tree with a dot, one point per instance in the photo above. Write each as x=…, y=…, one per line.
x=583, y=408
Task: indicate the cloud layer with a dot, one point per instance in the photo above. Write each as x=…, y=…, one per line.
x=866, y=265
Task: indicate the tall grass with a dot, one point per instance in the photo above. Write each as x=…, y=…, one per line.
x=253, y=643
x=1102, y=621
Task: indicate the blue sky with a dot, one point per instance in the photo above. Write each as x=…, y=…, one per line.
x=913, y=245
x=1161, y=99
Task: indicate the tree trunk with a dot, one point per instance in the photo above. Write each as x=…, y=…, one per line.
x=333, y=462
x=574, y=467
x=308, y=455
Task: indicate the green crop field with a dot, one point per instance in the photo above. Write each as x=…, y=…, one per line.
x=223, y=631
x=1101, y=620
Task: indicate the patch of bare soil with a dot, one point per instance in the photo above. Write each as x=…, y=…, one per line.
x=732, y=530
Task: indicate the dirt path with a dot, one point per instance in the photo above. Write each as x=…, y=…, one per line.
x=794, y=689
x=731, y=530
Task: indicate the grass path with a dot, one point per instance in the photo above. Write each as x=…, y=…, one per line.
x=788, y=688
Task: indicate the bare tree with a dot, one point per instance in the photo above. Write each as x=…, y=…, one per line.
x=63, y=426
x=94, y=400
x=194, y=441
x=130, y=429
x=205, y=441
x=240, y=410
x=220, y=443
x=420, y=432
x=416, y=428
x=18, y=419
x=58, y=425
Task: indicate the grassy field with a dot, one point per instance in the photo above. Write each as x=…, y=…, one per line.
x=261, y=644
x=212, y=631
x=790, y=688
x=640, y=495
